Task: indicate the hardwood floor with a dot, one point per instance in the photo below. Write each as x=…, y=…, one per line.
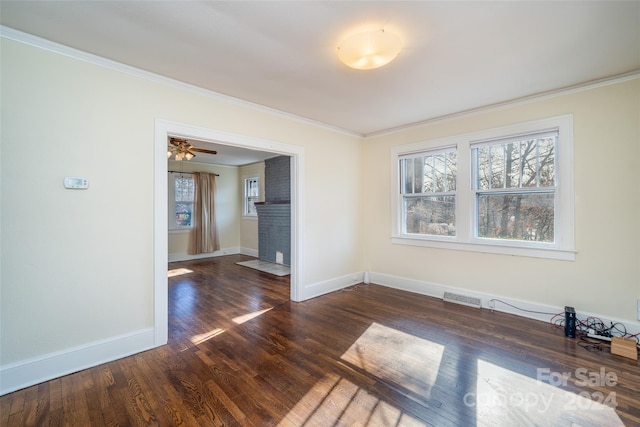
x=240, y=353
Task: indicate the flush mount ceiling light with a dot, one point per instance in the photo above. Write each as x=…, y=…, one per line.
x=369, y=49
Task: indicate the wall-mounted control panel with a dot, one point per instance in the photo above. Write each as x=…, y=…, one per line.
x=76, y=183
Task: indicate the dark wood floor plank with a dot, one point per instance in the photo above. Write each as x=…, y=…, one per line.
x=240, y=353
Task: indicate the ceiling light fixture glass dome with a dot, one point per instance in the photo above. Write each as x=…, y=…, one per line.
x=369, y=49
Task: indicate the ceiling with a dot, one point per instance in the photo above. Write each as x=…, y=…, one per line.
x=227, y=155
x=457, y=56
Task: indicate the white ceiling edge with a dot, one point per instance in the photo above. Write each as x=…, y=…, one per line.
x=38, y=42
x=581, y=87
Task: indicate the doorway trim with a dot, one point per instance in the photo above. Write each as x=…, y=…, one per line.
x=164, y=129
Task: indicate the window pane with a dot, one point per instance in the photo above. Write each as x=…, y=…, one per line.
x=429, y=185
x=496, y=163
x=546, y=148
x=529, y=163
x=512, y=165
x=439, y=173
x=483, y=168
x=184, y=189
x=516, y=216
x=435, y=173
x=413, y=170
x=252, y=188
x=251, y=206
x=183, y=214
x=430, y=215
x=452, y=170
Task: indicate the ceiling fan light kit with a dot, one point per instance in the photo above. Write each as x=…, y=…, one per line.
x=370, y=49
x=180, y=149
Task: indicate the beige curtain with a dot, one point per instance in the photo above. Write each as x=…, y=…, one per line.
x=204, y=235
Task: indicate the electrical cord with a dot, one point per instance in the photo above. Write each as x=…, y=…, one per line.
x=591, y=324
x=594, y=325
x=518, y=308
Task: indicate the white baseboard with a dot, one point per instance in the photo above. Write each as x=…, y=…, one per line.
x=249, y=252
x=331, y=285
x=504, y=304
x=183, y=256
x=16, y=376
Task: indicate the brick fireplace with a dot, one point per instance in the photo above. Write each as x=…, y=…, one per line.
x=274, y=214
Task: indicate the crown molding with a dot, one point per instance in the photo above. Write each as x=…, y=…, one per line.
x=44, y=44
x=38, y=42
x=581, y=87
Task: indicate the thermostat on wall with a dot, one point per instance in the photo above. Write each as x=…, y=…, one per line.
x=76, y=182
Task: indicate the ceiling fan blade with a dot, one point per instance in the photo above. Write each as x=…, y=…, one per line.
x=176, y=141
x=202, y=150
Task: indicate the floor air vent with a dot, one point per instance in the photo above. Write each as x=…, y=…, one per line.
x=462, y=299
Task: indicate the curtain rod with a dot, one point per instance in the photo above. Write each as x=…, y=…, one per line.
x=191, y=172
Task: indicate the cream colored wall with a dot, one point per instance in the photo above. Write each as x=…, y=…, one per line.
x=249, y=225
x=605, y=277
x=77, y=266
x=228, y=197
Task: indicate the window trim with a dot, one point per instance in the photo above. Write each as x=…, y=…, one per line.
x=564, y=246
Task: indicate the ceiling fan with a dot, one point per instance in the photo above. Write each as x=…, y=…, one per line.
x=181, y=149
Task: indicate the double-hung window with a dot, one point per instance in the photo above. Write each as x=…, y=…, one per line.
x=181, y=192
x=514, y=186
x=506, y=190
x=251, y=196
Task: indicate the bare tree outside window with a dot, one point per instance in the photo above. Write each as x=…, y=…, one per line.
x=429, y=201
x=515, y=188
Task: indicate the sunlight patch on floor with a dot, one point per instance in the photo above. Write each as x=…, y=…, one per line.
x=504, y=397
x=178, y=272
x=246, y=317
x=405, y=361
x=198, y=339
x=336, y=401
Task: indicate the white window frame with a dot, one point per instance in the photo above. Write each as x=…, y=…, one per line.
x=245, y=196
x=173, y=227
x=563, y=247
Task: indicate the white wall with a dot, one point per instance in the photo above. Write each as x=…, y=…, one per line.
x=228, y=212
x=77, y=267
x=605, y=277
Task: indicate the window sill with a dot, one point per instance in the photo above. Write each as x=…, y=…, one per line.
x=250, y=217
x=502, y=249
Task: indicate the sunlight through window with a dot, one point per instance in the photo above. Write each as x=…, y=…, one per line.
x=178, y=272
x=504, y=397
x=404, y=360
x=198, y=339
x=246, y=317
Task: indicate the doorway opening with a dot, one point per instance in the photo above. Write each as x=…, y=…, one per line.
x=165, y=129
